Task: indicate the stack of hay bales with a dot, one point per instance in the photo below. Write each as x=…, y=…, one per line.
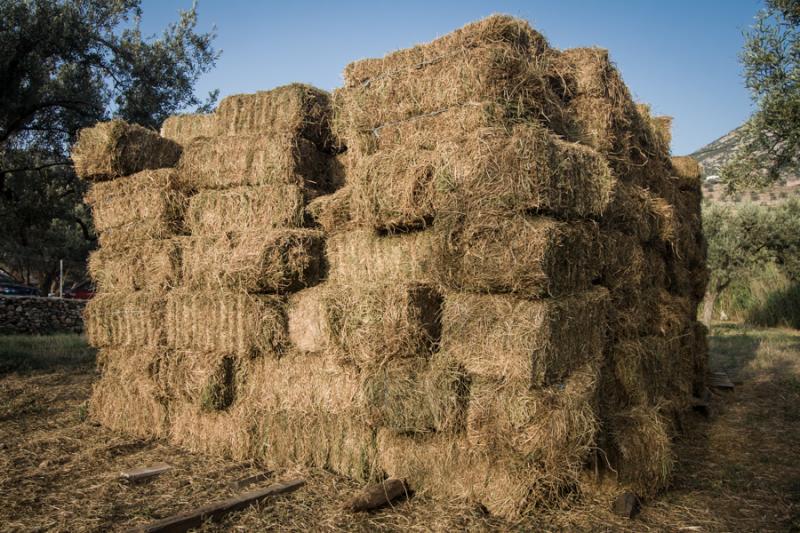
x=478, y=273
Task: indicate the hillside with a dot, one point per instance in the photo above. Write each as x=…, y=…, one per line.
x=716, y=154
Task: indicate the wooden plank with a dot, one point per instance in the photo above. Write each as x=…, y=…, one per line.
x=185, y=521
x=239, y=484
x=626, y=504
x=377, y=495
x=720, y=380
x=144, y=472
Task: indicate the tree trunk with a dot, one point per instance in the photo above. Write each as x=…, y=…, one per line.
x=708, y=306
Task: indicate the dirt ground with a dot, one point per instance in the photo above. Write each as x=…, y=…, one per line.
x=738, y=470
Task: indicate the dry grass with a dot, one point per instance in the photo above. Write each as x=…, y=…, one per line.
x=137, y=265
x=113, y=149
x=125, y=319
x=58, y=462
x=183, y=129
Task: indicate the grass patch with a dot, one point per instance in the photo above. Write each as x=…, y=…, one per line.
x=22, y=353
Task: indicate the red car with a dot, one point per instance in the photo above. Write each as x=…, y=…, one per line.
x=81, y=291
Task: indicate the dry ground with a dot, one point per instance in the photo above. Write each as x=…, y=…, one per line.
x=738, y=470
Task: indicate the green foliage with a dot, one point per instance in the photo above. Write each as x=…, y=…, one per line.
x=66, y=64
x=19, y=353
x=771, y=60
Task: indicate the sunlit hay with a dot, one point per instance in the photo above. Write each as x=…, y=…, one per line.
x=554, y=427
x=362, y=256
x=661, y=127
x=227, y=322
x=268, y=159
x=331, y=212
x=210, y=380
x=183, y=129
x=538, y=342
x=295, y=110
x=126, y=397
x=152, y=201
x=491, y=171
x=134, y=319
x=639, y=212
x=213, y=212
x=266, y=261
x=376, y=322
x=306, y=315
x=445, y=467
x=499, y=59
x=527, y=256
x=415, y=396
x=112, y=149
x=137, y=265
x=688, y=173
x=642, y=452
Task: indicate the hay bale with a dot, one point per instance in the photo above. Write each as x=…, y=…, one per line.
x=137, y=265
x=307, y=325
x=499, y=59
x=375, y=322
x=152, y=200
x=295, y=110
x=273, y=160
x=444, y=467
x=227, y=322
x=639, y=212
x=125, y=319
x=555, y=426
x=126, y=397
x=331, y=212
x=491, y=171
x=113, y=149
x=183, y=129
x=538, y=342
x=232, y=210
x=642, y=451
x=363, y=256
x=273, y=261
x=527, y=256
x=415, y=396
x=210, y=380
x=688, y=173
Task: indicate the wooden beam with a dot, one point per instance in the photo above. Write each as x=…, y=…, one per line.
x=144, y=472
x=239, y=484
x=185, y=521
x=377, y=495
x=720, y=380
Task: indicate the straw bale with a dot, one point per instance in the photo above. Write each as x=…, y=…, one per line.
x=306, y=315
x=554, y=426
x=152, y=200
x=490, y=171
x=376, y=322
x=237, y=209
x=499, y=59
x=134, y=319
x=210, y=380
x=527, y=256
x=688, y=173
x=126, y=398
x=443, y=467
x=416, y=396
x=538, y=342
x=363, y=256
x=642, y=451
x=183, y=129
x=227, y=322
x=267, y=159
x=272, y=261
x=137, y=265
x=331, y=212
x=113, y=149
x=639, y=212
x=295, y=110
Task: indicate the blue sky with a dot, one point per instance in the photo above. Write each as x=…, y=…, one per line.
x=679, y=56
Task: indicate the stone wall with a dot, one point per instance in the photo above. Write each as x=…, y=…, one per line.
x=33, y=314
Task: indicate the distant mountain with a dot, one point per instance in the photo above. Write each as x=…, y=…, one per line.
x=716, y=154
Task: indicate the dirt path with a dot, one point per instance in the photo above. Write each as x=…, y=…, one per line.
x=739, y=470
